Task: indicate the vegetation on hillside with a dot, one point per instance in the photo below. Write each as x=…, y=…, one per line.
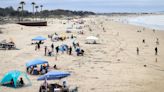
x=9, y=11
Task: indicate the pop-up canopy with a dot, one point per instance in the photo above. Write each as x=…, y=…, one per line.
x=36, y=62
x=39, y=38
x=14, y=75
x=91, y=39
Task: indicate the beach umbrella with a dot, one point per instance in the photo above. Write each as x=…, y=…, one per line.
x=39, y=38
x=92, y=38
x=15, y=74
x=54, y=75
x=36, y=62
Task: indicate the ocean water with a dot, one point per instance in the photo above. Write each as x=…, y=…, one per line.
x=149, y=21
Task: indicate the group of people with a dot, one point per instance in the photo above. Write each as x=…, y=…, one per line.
x=37, y=46
x=54, y=87
x=77, y=48
x=155, y=49
x=64, y=48
x=20, y=82
x=35, y=70
x=48, y=51
x=56, y=37
x=79, y=52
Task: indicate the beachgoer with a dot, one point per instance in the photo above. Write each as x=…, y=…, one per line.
x=70, y=50
x=154, y=30
x=45, y=67
x=78, y=51
x=55, y=67
x=67, y=49
x=56, y=33
x=38, y=44
x=137, y=51
x=77, y=44
x=41, y=67
x=45, y=83
x=82, y=52
x=52, y=47
x=36, y=47
x=156, y=51
x=74, y=45
x=12, y=82
x=31, y=69
x=64, y=84
x=27, y=69
x=71, y=36
x=57, y=49
x=143, y=41
x=49, y=53
x=21, y=81
x=45, y=50
x=157, y=42
x=103, y=29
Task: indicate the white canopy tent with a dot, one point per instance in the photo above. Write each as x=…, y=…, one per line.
x=91, y=40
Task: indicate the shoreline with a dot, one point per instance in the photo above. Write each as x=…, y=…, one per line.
x=130, y=20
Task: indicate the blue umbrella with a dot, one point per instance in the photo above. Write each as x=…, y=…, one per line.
x=36, y=62
x=54, y=75
x=39, y=38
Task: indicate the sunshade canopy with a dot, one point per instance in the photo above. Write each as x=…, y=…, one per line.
x=39, y=38
x=36, y=62
x=54, y=75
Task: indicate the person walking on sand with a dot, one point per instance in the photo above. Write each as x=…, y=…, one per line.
x=57, y=49
x=70, y=50
x=157, y=42
x=74, y=45
x=137, y=51
x=45, y=50
x=156, y=51
x=143, y=41
x=38, y=46
x=52, y=47
x=154, y=30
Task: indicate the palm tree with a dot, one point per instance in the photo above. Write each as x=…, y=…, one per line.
x=33, y=6
x=41, y=6
x=19, y=8
x=22, y=3
x=36, y=7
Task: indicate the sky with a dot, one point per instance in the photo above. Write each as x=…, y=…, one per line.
x=98, y=6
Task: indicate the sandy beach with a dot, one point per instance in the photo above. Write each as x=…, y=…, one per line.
x=111, y=66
